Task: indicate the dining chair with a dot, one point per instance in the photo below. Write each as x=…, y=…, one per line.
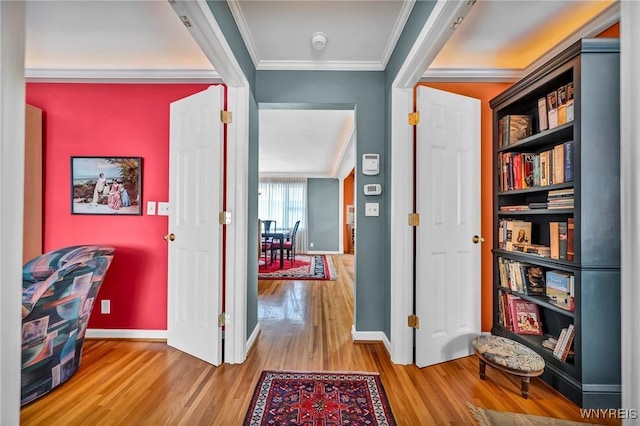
x=266, y=245
x=269, y=225
x=289, y=244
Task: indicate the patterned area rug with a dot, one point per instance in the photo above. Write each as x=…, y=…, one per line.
x=314, y=398
x=486, y=417
x=304, y=268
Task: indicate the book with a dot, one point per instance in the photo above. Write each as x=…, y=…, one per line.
x=516, y=128
x=562, y=238
x=536, y=170
x=521, y=232
x=561, y=339
x=525, y=317
x=534, y=283
x=558, y=164
x=571, y=330
x=552, y=109
x=568, y=161
x=527, y=170
x=570, y=106
x=562, y=105
x=571, y=225
x=554, y=240
x=543, y=123
x=558, y=288
x=544, y=168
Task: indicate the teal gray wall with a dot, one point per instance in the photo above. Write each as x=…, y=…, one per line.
x=323, y=224
x=366, y=91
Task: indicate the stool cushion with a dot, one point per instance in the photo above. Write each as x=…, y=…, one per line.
x=508, y=353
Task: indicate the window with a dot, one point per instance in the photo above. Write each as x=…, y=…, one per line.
x=285, y=201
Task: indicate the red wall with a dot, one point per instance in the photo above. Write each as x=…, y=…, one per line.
x=112, y=120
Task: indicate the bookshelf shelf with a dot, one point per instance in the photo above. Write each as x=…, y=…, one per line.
x=590, y=68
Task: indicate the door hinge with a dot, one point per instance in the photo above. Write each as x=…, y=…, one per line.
x=224, y=218
x=414, y=118
x=185, y=21
x=413, y=321
x=414, y=219
x=226, y=116
x=223, y=319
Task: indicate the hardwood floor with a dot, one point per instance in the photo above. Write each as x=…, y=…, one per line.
x=306, y=325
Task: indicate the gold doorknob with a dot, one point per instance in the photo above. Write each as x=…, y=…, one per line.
x=170, y=237
x=477, y=239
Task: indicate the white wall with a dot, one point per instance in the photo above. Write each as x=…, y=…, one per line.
x=12, y=111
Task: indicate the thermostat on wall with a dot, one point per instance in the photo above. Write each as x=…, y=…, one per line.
x=370, y=164
x=373, y=189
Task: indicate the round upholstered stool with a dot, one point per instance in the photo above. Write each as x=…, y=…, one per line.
x=509, y=356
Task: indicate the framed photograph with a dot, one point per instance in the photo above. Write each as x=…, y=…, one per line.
x=106, y=185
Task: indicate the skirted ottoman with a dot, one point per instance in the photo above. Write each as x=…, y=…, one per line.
x=509, y=356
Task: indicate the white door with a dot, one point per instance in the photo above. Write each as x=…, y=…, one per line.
x=195, y=196
x=448, y=201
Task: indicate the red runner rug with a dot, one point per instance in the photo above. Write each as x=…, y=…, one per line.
x=319, y=398
x=318, y=267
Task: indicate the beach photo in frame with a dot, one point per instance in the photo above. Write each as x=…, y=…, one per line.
x=106, y=185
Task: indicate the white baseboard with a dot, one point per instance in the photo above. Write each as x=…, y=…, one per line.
x=371, y=336
x=323, y=252
x=254, y=336
x=98, y=333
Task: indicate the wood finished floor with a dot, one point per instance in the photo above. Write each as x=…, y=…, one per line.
x=305, y=325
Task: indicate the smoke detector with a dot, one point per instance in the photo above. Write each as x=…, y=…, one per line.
x=318, y=40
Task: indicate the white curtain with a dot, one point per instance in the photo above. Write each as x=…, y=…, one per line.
x=285, y=201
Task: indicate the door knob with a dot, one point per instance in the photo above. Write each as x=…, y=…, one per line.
x=477, y=239
x=170, y=237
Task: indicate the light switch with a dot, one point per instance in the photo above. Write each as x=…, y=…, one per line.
x=163, y=208
x=151, y=208
x=372, y=209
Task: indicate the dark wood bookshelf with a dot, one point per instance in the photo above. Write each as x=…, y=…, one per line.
x=592, y=377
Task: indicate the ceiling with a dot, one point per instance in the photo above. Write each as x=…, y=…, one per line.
x=111, y=40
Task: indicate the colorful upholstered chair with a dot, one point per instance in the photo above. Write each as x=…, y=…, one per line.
x=59, y=289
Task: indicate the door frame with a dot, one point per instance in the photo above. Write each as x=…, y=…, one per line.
x=209, y=37
x=432, y=37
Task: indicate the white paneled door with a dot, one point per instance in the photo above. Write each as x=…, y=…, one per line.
x=448, y=201
x=195, y=235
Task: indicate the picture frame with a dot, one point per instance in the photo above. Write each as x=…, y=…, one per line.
x=106, y=185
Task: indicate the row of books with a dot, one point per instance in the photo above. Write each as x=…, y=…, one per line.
x=512, y=231
x=560, y=198
x=557, y=108
x=561, y=239
x=565, y=340
x=521, y=277
x=519, y=315
x=534, y=280
x=522, y=170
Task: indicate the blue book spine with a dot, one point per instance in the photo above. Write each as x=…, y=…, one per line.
x=558, y=281
x=568, y=161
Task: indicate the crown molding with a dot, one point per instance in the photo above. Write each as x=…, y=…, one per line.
x=121, y=76
x=320, y=66
x=487, y=75
x=317, y=175
x=403, y=16
x=243, y=27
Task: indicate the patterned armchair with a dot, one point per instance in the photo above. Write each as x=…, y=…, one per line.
x=59, y=289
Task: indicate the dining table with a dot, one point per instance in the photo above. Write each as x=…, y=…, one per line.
x=281, y=235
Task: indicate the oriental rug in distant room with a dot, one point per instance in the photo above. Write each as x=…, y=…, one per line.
x=318, y=267
x=319, y=398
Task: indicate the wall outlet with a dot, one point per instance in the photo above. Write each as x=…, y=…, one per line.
x=105, y=306
x=311, y=245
